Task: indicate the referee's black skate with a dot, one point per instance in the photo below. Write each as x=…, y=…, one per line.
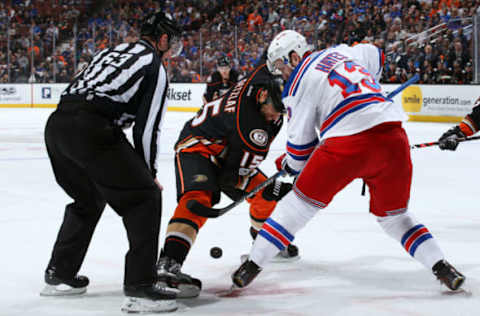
x=448, y=275
x=245, y=274
x=170, y=275
x=148, y=298
x=58, y=286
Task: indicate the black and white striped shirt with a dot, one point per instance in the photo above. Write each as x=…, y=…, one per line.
x=131, y=82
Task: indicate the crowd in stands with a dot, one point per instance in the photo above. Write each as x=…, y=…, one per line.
x=429, y=37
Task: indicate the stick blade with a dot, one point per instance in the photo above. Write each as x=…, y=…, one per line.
x=202, y=210
x=233, y=291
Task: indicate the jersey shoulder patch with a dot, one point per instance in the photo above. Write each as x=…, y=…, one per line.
x=259, y=137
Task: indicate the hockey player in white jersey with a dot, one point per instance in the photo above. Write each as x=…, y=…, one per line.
x=341, y=127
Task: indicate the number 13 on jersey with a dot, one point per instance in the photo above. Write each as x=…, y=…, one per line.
x=353, y=71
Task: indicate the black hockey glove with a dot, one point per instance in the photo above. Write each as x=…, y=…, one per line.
x=450, y=139
x=276, y=191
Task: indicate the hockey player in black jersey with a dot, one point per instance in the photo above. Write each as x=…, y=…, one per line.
x=219, y=150
x=469, y=126
x=222, y=79
x=95, y=164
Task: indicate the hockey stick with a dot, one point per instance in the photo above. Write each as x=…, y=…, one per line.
x=403, y=86
x=423, y=145
x=211, y=212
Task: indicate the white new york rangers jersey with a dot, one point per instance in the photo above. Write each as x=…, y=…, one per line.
x=335, y=92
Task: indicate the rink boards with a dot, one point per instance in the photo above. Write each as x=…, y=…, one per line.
x=427, y=103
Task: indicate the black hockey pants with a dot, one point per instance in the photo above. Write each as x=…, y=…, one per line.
x=95, y=164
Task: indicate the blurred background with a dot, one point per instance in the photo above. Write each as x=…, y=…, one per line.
x=48, y=41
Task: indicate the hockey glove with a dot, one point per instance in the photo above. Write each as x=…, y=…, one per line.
x=281, y=163
x=276, y=191
x=450, y=139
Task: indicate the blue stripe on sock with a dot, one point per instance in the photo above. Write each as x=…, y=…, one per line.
x=280, y=228
x=418, y=242
x=271, y=239
x=409, y=233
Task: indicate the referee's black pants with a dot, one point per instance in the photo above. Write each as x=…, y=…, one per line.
x=95, y=164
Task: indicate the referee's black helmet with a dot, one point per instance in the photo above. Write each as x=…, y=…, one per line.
x=158, y=23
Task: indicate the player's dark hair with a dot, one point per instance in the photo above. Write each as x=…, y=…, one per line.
x=274, y=94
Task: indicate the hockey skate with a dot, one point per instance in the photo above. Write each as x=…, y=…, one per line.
x=169, y=275
x=57, y=286
x=245, y=274
x=287, y=255
x=448, y=275
x=148, y=299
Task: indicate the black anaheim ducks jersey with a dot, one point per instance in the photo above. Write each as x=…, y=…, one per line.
x=475, y=114
x=231, y=131
x=216, y=87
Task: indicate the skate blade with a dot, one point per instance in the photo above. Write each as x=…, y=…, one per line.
x=142, y=305
x=233, y=291
x=280, y=259
x=458, y=292
x=183, y=290
x=276, y=259
x=62, y=290
x=188, y=291
x=167, y=289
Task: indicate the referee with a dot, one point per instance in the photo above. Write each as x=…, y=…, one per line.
x=95, y=164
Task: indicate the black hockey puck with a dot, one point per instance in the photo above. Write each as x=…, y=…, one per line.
x=216, y=252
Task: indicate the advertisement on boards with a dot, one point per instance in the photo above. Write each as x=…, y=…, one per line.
x=47, y=95
x=442, y=103
x=15, y=95
x=185, y=96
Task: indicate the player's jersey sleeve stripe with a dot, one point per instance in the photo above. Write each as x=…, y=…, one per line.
x=303, y=147
x=349, y=106
x=301, y=152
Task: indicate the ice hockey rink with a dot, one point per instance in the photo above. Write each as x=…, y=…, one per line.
x=349, y=266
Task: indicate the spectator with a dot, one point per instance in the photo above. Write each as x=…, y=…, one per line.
x=458, y=54
x=396, y=26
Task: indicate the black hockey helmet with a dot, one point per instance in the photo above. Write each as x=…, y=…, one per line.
x=158, y=23
x=223, y=61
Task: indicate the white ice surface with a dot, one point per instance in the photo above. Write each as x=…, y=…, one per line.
x=348, y=266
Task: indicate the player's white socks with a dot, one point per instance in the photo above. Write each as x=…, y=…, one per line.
x=291, y=214
x=414, y=237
